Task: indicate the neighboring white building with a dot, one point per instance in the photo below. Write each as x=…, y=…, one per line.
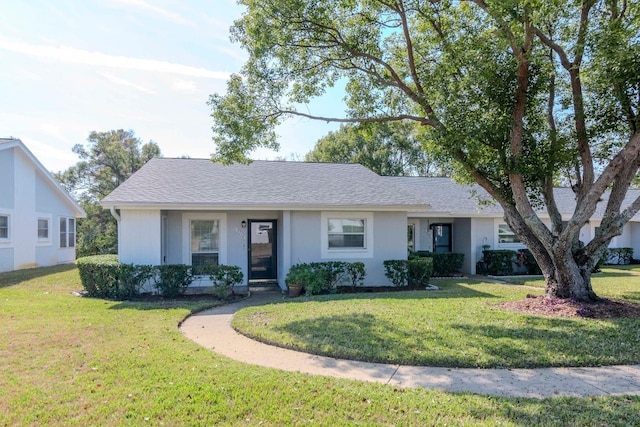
x=37, y=217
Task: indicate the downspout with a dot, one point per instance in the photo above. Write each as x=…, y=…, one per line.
x=114, y=214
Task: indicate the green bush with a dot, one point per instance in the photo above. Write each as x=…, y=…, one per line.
x=397, y=271
x=444, y=263
x=103, y=276
x=499, y=262
x=525, y=258
x=224, y=278
x=355, y=272
x=173, y=279
x=303, y=274
x=419, y=271
x=619, y=256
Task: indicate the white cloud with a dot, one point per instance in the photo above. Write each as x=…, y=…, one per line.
x=79, y=56
x=126, y=83
x=185, y=86
x=162, y=12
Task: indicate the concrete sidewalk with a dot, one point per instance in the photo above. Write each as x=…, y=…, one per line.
x=212, y=330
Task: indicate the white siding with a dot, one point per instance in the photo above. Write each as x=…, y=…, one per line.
x=139, y=237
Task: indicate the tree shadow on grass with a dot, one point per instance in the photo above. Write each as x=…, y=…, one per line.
x=540, y=343
x=448, y=290
x=19, y=276
x=559, y=411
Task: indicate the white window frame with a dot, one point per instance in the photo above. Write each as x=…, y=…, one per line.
x=186, y=234
x=48, y=240
x=67, y=232
x=7, y=240
x=498, y=223
x=329, y=253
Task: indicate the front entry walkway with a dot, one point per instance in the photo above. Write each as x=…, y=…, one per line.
x=212, y=330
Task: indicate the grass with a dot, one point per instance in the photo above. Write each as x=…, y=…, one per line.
x=621, y=282
x=77, y=361
x=457, y=326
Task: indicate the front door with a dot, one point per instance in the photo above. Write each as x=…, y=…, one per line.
x=262, y=250
x=441, y=237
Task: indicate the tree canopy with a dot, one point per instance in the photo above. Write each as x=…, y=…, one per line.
x=516, y=93
x=108, y=159
x=386, y=148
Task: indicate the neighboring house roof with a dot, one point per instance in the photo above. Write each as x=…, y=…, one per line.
x=10, y=143
x=449, y=198
x=170, y=183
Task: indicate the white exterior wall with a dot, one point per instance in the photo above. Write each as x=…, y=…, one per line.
x=27, y=195
x=299, y=239
x=139, y=237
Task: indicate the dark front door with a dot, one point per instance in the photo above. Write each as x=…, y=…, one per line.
x=441, y=237
x=262, y=250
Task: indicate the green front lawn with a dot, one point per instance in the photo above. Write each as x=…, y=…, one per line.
x=457, y=326
x=620, y=282
x=76, y=361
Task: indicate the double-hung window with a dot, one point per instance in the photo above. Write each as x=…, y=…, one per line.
x=205, y=242
x=347, y=233
x=4, y=227
x=44, y=229
x=67, y=232
x=506, y=236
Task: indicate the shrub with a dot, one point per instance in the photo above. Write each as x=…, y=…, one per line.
x=499, y=262
x=224, y=278
x=444, y=263
x=355, y=272
x=525, y=258
x=397, y=271
x=305, y=275
x=173, y=279
x=619, y=256
x=419, y=271
x=104, y=276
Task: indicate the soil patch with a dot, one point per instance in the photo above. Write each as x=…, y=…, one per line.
x=540, y=305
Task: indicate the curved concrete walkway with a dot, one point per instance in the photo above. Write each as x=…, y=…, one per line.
x=212, y=330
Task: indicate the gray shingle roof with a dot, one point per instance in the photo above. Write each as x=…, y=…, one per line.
x=447, y=197
x=261, y=184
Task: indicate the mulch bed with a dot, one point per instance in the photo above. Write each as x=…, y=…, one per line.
x=540, y=305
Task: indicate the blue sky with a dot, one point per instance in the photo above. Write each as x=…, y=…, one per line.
x=70, y=67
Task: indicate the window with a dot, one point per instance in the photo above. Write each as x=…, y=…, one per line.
x=411, y=241
x=43, y=229
x=4, y=227
x=346, y=233
x=506, y=236
x=205, y=242
x=67, y=232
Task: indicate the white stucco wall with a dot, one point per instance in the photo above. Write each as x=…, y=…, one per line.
x=139, y=237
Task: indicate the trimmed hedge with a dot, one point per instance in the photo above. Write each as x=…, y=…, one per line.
x=499, y=262
x=619, y=256
x=412, y=273
x=323, y=277
x=224, y=278
x=103, y=276
x=525, y=258
x=173, y=279
x=444, y=263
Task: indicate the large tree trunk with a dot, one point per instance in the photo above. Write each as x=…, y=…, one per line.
x=567, y=279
